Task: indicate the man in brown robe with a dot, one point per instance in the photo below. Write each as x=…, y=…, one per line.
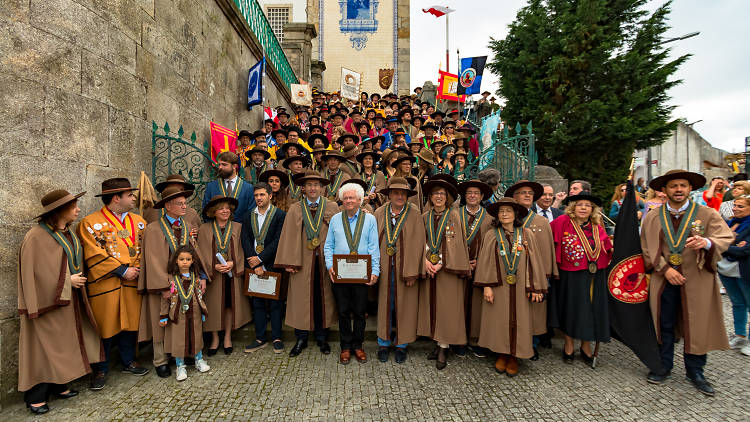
x=401, y=255
x=526, y=193
x=174, y=180
x=476, y=222
x=58, y=339
x=111, y=240
x=333, y=172
x=310, y=302
x=683, y=292
x=160, y=239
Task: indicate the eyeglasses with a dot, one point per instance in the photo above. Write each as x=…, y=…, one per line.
x=438, y=193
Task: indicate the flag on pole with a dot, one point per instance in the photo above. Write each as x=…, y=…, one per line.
x=629, y=313
x=470, y=76
x=222, y=139
x=255, y=78
x=301, y=94
x=448, y=87
x=438, y=11
x=350, y=84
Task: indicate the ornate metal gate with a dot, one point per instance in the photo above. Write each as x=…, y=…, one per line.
x=514, y=156
x=175, y=155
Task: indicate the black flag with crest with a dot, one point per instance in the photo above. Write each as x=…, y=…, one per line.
x=629, y=313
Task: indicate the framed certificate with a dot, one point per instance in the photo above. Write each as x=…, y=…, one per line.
x=267, y=286
x=352, y=268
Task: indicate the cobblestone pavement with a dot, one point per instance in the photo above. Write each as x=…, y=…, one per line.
x=263, y=386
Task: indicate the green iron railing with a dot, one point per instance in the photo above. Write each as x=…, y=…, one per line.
x=514, y=156
x=175, y=155
x=252, y=11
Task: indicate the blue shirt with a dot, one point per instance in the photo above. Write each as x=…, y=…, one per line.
x=368, y=244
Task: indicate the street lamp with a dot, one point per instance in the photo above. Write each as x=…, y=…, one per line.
x=687, y=141
x=682, y=37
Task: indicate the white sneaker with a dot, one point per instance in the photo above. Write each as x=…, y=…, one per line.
x=181, y=373
x=202, y=366
x=738, y=342
x=745, y=350
x=722, y=290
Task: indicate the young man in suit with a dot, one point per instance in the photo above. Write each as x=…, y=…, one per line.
x=229, y=183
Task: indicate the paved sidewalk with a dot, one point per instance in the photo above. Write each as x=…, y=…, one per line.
x=262, y=386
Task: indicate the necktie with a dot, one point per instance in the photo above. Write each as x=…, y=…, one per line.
x=544, y=213
x=229, y=188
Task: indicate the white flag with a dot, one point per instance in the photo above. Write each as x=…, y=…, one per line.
x=350, y=84
x=301, y=94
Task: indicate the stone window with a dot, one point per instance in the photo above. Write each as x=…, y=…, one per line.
x=278, y=16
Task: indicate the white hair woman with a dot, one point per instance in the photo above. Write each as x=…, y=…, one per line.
x=352, y=232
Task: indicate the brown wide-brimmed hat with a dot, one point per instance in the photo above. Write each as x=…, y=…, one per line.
x=446, y=178
x=333, y=154
x=258, y=149
x=475, y=183
x=350, y=151
x=324, y=139
x=174, y=179
x=171, y=192
x=56, y=199
x=210, y=209
x=427, y=155
x=305, y=161
x=459, y=153
x=354, y=137
x=398, y=183
x=116, y=185
x=285, y=147
x=434, y=183
x=583, y=196
x=282, y=175
x=359, y=182
x=309, y=175
x=372, y=153
x=403, y=157
x=696, y=180
x=536, y=187
x=521, y=211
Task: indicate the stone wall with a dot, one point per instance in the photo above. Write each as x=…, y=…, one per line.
x=81, y=82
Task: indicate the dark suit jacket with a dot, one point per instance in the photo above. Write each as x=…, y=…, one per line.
x=740, y=254
x=246, y=198
x=556, y=212
x=268, y=255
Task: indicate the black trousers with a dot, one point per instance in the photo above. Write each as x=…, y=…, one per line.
x=321, y=334
x=671, y=306
x=41, y=392
x=351, y=299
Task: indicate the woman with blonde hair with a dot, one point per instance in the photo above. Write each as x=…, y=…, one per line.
x=739, y=188
x=583, y=251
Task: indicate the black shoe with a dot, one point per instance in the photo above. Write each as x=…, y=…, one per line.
x=479, y=352
x=325, y=348
x=211, y=351
x=545, y=341
x=228, y=350
x=299, y=346
x=441, y=360
x=589, y=360
x=536, y=355
x=163, y=371
x=460, y=351
x=400, y=355
x=433, y=354
x=568, y=358
x=654, y=378
x=40, y=410
x=69, y=394
x=98, y=379
x=383, y=353
x=705, y=387
x=135, y=369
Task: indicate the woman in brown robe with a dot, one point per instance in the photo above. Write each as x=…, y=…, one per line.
x=507, y=315
x=446, y=260
x=228, y=308
x=403, y=164
x=372, y=176
x=58, y=340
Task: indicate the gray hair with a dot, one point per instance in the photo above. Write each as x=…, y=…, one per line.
x=348, y=187
x=585, y=186
x=490, y=176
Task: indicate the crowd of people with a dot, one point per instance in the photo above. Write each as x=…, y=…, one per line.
x=454, y=259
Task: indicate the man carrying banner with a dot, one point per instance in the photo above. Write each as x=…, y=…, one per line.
x=682, y=244
x=230, y=184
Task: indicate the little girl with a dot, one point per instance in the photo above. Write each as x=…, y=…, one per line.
x=183, y=312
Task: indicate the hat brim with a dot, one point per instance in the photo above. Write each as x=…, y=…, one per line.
x=439, y=183
x=400, y=159
x=536, y=187
x=60, y=203
x=185, y=193
x=583, y=197
x=266, y=154
x=301, y=180
x=217, y=201
x=273, y=172
x=386, y=191
x=288, y=160
x=115, y=191
x=494, y=208
x=162, y=185
x=374, y=154
x=483, y=187
x=696, y=180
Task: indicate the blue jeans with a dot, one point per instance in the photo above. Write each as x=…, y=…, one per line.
x=392, y=296
x=181, y=361
x=259, y=318
x=739, y=293
x=126, y=341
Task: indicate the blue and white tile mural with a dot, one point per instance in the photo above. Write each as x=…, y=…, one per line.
x=358, y=19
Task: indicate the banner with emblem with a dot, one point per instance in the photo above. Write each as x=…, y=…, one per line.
x=385, y=78
x=470, y=76
x=255, y=78
x=301, y=94
x=222, y=139
x=448, y=87
x=350, y=81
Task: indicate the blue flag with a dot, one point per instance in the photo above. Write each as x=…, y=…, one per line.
x=255, y=83
x=470, y=78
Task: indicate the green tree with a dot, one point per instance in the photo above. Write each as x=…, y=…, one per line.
x=593, y=77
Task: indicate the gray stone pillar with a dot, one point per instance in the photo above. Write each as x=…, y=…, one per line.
x=297, y=46
x=316, y=73
x=429, y=91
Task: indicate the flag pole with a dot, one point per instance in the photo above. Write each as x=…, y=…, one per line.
x=447, y=50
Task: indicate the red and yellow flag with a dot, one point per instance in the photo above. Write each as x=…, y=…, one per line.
x=448, y=87
x=222, y=139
